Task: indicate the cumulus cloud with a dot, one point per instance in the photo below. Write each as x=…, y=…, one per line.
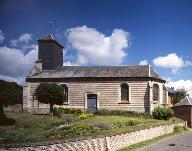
x=13, y=42
x=143, y=62
x=2, y=37
x=94, y=47
x=182, y=84
x=171, y=61
x=24, y=38
x=68, y=63
x=188, y=63
x=14, y=64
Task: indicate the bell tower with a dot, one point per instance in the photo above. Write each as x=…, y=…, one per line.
x=50, y=53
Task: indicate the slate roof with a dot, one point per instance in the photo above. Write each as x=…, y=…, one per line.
x=49, y=38
x=171, y=90
x=186, y=101
x=98, y=71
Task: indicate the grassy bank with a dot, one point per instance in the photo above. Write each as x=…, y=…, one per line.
x=39, y=128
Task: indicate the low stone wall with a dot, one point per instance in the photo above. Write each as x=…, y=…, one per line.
x=110, y=143
x=13, y=108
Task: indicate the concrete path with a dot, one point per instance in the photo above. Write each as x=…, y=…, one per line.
x=181, y=142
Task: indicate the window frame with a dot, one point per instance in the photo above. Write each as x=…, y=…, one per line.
x=65, y=91
x=127, y=100
x=157, y=96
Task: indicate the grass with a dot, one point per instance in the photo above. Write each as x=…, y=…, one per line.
x=147, y=142
x=151, y=141
x=34, y=128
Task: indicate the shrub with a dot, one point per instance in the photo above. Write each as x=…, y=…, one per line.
x=123, y=113
x=180, y=129
x=61, y=110
x=53, y=124
x=68, y=120
x=117, y=125
x=101, y=125
x=132, y=123
x=85, y=116
x=162, y=113
x=7, y=121
x=50, y=93
x=73, y=130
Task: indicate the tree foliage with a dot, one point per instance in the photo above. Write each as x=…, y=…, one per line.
x=162, y=113
x=50, y=93
x=10, y=94
x=179, y=95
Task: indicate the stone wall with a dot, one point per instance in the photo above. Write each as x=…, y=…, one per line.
x=110, y=143
x=13, y=108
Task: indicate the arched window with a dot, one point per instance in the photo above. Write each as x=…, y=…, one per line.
x=65, y=91
x=155, y=92
x=124, y=92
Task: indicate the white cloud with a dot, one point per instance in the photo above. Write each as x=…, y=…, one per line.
x=188, y=63
x=14, y=42
x=14, y=64
x=2, y=37
x=182, y=84
x=94, y=47
x=171, y=61
x=25, y=38
x=143, y=62
x=68, y=63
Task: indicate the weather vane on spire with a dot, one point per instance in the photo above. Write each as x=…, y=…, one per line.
x=50, y=29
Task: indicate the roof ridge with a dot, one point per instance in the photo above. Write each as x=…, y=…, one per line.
x=47, y=37
x=108, y=66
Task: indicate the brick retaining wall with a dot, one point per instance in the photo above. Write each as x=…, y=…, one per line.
x=110, y=143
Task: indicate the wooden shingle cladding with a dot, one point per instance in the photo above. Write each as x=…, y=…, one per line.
x=108, y=93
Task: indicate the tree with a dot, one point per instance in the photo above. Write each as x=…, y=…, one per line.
x=10, y=94
x=50, y=93
x=179, y=95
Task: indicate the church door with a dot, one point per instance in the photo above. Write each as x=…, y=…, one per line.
x=92, y=103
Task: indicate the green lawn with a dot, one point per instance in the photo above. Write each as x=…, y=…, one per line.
x=38, y=128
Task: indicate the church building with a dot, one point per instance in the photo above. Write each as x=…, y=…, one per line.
x=130, y=87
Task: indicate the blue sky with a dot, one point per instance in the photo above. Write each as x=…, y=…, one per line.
x=126, y=32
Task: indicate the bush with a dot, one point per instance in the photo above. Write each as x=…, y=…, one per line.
x=85, y=116
x=132, y=123
x=7, y=121
x=101, y=125
x=61, y=110
x=162, y=113
x=180, y=129
x=68, y=120
x=117, y=125
x=123, y=113
x=73, y=130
